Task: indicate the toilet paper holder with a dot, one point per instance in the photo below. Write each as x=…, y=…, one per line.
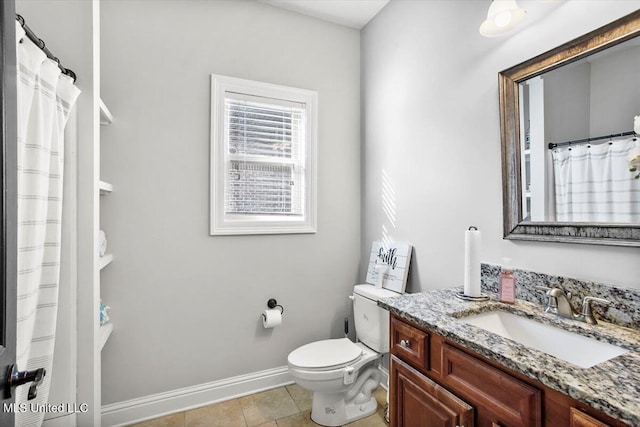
x=272, y=303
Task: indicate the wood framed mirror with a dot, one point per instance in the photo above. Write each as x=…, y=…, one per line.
x=519, y=222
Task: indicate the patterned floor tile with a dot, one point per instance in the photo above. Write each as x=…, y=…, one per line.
x=224, y=414
x=173, y=420
x=302, y=419
x=301, y=396
x=267, y=406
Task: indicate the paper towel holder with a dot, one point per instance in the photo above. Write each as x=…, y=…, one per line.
x=464, y=297
x=272, y=303
x=461, y=295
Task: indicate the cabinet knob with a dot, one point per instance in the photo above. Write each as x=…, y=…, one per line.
x=405, y=343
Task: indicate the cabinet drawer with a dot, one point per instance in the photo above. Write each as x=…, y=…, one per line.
x=504, y=399
x=409, y=344
x=580, y=419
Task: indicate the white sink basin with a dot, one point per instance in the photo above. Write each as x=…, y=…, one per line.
x=568, y=346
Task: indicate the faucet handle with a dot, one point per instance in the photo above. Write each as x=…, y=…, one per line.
x=587, y=300
x=542, y=288
x=587, y=312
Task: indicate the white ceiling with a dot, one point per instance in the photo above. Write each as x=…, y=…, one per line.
x=351, y=13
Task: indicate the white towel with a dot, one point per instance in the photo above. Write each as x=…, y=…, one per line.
x=102, y=243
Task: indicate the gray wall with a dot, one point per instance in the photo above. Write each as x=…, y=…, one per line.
x=186, y=305
x=615, y=92
x=431, y=127
x=593, y=98
x=567, y=93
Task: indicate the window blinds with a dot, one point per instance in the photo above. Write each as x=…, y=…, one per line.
x=264, y=156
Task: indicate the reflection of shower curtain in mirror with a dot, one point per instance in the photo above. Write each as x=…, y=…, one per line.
x=593, y=184
x=45, y=98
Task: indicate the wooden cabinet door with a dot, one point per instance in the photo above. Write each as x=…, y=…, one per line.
x=416, y=401
x=580, y=419
x=498, y=397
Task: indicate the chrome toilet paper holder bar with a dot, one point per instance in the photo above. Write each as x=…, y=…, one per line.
x=272, y=303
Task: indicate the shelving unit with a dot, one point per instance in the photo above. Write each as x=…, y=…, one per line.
x=535, y=159
x=525, y=151
x=91, y=190
x=106, y=118
x=525, y=173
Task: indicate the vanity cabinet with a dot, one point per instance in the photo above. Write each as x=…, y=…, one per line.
x=433, y=380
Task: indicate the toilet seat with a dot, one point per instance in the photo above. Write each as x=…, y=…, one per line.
x=336, y=372
x=325, y=355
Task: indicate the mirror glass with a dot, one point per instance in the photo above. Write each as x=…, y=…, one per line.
x=580, y=106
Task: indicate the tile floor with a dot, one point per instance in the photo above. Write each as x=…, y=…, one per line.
x=288, y=406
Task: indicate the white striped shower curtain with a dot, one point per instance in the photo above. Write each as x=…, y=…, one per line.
x=593, y=184
x=45, y=98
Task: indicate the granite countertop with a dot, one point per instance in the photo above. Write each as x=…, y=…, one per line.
x=612, y=387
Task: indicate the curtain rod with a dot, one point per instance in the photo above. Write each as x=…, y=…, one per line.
x=553, y=145
x=38, y=42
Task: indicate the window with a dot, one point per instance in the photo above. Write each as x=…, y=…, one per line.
x=263, y=167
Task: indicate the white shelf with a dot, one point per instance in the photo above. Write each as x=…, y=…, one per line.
x=106, y=118
x=105, y=260
x=105, y=333
x=105, y=187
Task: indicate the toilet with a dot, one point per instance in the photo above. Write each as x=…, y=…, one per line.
x=342, y=374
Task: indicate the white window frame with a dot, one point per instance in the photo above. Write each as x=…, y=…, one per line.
x=232, y=224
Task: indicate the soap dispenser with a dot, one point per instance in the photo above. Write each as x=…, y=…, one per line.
x=507, y=290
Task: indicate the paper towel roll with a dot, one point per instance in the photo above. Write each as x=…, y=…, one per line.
x=472, y=262
x=271, y=318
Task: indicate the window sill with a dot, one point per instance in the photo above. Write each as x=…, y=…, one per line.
x=249, y=230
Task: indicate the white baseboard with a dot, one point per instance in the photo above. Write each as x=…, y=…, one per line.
x=157, y=405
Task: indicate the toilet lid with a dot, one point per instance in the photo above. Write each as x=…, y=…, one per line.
x=325, y=354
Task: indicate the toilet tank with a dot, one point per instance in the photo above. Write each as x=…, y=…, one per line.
x=372, y=322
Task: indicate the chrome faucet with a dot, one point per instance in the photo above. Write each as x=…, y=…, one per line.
x=559, y=303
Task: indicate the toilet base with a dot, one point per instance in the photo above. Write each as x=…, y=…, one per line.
x=330, y=409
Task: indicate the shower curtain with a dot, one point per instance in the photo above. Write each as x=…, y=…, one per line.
x=45, y=98
x=593, y=184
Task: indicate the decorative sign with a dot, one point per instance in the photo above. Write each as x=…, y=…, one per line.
x=389, y=263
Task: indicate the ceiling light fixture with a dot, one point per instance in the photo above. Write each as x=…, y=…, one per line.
x=502, y=17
